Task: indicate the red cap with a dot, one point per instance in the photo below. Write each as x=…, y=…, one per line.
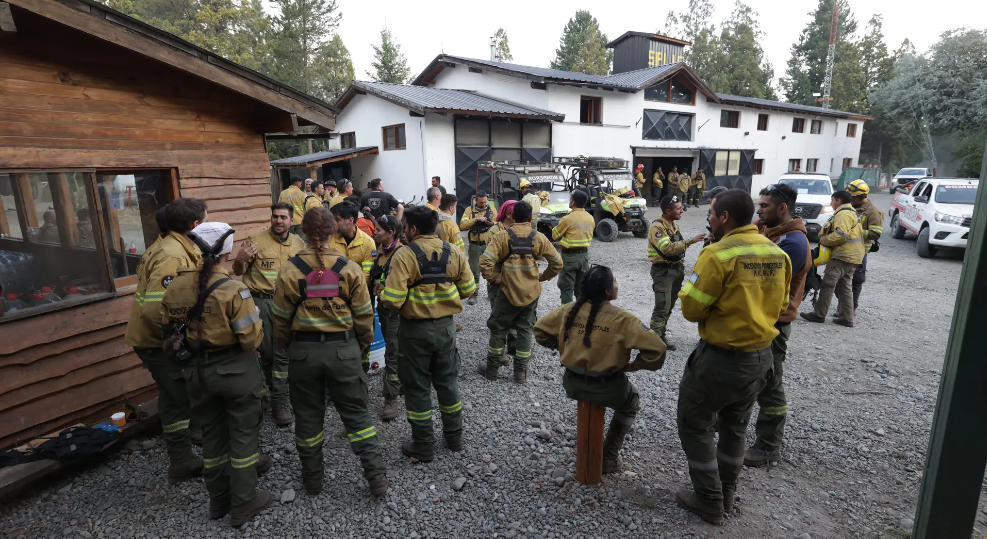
x=640, y=166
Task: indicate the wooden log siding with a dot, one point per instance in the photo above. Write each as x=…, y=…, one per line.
x=68, y=101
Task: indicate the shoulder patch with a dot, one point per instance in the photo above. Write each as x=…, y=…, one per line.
x=694, y=278
x=373, y=253
x=166, y=280
x=658, y=233
x=244, y=293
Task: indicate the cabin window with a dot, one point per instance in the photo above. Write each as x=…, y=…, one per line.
x=730, y=118
x=851, y=130
x=657, y=92
x=590, y=110
x=394, y=137
x=727, y=163
x=798, y=125
x=847, y=162
x=816, y=127
x=811, y=165
x=794, y=165
x=758, y=166
x=347, y=141
x=681, y=94
x=671, y=91
x=762, y=122
x=129, y=201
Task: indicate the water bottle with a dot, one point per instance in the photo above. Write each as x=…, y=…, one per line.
x=11, y=303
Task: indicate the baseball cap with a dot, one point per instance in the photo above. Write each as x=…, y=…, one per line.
x=714, y=191
x=210, y=232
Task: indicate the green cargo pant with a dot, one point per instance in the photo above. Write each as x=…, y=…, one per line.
x=427, y=358
x=723, y=384
x=613, y=391
x=694, y=194
x=504, y=316
x=492, y=293
x=473, y=253
x=273, y=359
x=770, y=425
x=226, y=391
x=173, y=402
x=574, y=265
x=666, y=281
x=390, y=321
x=334, y=369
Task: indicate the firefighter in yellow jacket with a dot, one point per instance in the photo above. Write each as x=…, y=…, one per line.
x=350, y=241
x=448, y=230
x=388, y=236
x=429, y=279
x=666, y=252
x=295, y=196
x=324, y=319
x=595, y=340
x=845, y=237
x=738, y=289
x=478, y=219
x=872, y=226
x=157, y=269
x=222, y=330
x=697, y=187
x=685, y=183
x=574, y=234
x=511, y=263
x=258, y=262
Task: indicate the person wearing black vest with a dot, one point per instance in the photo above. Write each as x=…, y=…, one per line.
x=380, y=202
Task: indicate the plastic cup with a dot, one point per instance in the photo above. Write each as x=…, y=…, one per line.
x=119, y=419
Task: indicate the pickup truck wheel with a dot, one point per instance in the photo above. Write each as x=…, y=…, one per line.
x=897, y=231
x=606, y=230
x=643, y=233
x=925, y=249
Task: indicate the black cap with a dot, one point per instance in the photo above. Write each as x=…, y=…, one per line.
x=714, y=191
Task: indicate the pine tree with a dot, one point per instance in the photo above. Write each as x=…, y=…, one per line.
x=742, y=68
x=301, y=31
x=501, y=49
x=573, y=36
x=876, y=63
x=705, y=55
x=336, y=69
x=592, y=56
x=389, y=63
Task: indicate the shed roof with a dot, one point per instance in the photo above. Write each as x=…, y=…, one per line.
x=788, y=107
x=422, y=99
x=321, y=158
x=107, y=24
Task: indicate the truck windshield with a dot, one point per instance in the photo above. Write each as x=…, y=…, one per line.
x=912, y=172
x=810, y=187
x=956, y=194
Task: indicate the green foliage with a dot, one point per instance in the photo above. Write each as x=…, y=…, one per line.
x=389, y=63
x=705, y=55
x=592, y=56
x=501, y=48
x=301, y=43
x=968, y=148
x=581, y=28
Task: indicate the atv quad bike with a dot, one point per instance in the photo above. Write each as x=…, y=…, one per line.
x=506, y=183
x=614, y=210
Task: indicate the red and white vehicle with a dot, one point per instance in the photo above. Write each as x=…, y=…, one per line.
x=937, y=210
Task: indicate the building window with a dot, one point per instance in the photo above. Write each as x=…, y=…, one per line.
x=658, y=92
x=729, y=118
x=794, y=165
x=671, y=91
x=811, y=165
x=666, y=125
x=762, y=122
x=394, y=137
x=847, y=163
x=798, y=125
x=727, y=163
x=851, y=130
x=347, y=140
x=590, y=110
x=65, y=236
x=816, y=127
x=682, y=94
x=758, y=166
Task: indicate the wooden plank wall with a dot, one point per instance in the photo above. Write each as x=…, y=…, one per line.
x=67, y=100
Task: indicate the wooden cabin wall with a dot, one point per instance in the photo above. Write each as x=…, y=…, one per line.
x=67, y=100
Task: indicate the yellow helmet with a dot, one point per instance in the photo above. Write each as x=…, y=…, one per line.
x=525, y=183
x=824, y=255
x=858, y=187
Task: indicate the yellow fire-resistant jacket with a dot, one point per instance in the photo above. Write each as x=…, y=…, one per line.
x=262, y=269
x=469, y=219
x=229, y=315
x=575, y=230
x=639, y=181
x=336, y=199
x=519, y=277
x=699, y=179
x=616, y=334
x=448, y=231
x=684, y=182
x=312, y=201
x=157, y=269
x=673, y=180
x=738, y=290
x=844, y=235
x=427, y=301
x=871, y=223
x=665, y=243
x=657, y=181
x=361, y=250
x=296, y=197
x=323, y=315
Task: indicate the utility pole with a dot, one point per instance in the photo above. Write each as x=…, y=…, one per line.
x=831, y=56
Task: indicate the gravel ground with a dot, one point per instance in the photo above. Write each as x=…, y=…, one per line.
x=861, y=402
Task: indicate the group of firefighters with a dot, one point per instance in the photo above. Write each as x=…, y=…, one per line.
x=305, y=304
x=688, y=189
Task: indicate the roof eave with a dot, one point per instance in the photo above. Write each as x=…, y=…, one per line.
x=692, y=76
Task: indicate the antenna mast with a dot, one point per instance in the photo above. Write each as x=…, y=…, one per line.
x=831, y=56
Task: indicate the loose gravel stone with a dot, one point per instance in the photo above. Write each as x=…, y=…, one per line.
x=288, y=496
x=458, y=484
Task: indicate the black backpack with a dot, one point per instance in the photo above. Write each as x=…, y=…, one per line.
x=812, y=280
x=72, y=443
x=433, y=270
x=517, y=245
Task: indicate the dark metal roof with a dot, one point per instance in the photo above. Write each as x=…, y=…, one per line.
x=422, y=99
x=325, y=157
x=649, y=35
x=791, y=107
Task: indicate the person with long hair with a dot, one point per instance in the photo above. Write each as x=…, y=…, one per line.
x=324, y=319
x=224, y=380
x=595, y=340
x=388, y=238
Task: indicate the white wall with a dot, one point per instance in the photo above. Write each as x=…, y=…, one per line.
x=440, y=151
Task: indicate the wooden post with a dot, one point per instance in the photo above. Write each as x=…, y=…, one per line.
x=65, y=217
x=24, y=196
x=957, y=453
x=116, y=240
x=589, y=443
x=4, y=224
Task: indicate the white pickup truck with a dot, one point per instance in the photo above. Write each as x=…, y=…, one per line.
x=938, y=210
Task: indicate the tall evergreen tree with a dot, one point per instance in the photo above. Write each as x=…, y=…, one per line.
x=592, y=56
x=336, y=69
x=389, y=63
x=876, y=63
x=302, y=30
x=743, y=69
x=705, y=55
x=574, y=35
x=502, y=50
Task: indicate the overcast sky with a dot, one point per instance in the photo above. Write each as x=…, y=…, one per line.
x=425, y=29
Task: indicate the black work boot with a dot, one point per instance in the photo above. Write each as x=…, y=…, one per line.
x=195, y=436
x=241, y=515
x=264, y=463
x=422, y=452
x=455, y=444
x=668, y=346
x=612, y=444
x=390, y=410
x=218, y=508
x=729, y=495
x=313, y=485
x=755, y=457
x=520, y=375
x=711, y=512
x=378, y=484
x=484, y=369
x=184, y=470
x=282, y=415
